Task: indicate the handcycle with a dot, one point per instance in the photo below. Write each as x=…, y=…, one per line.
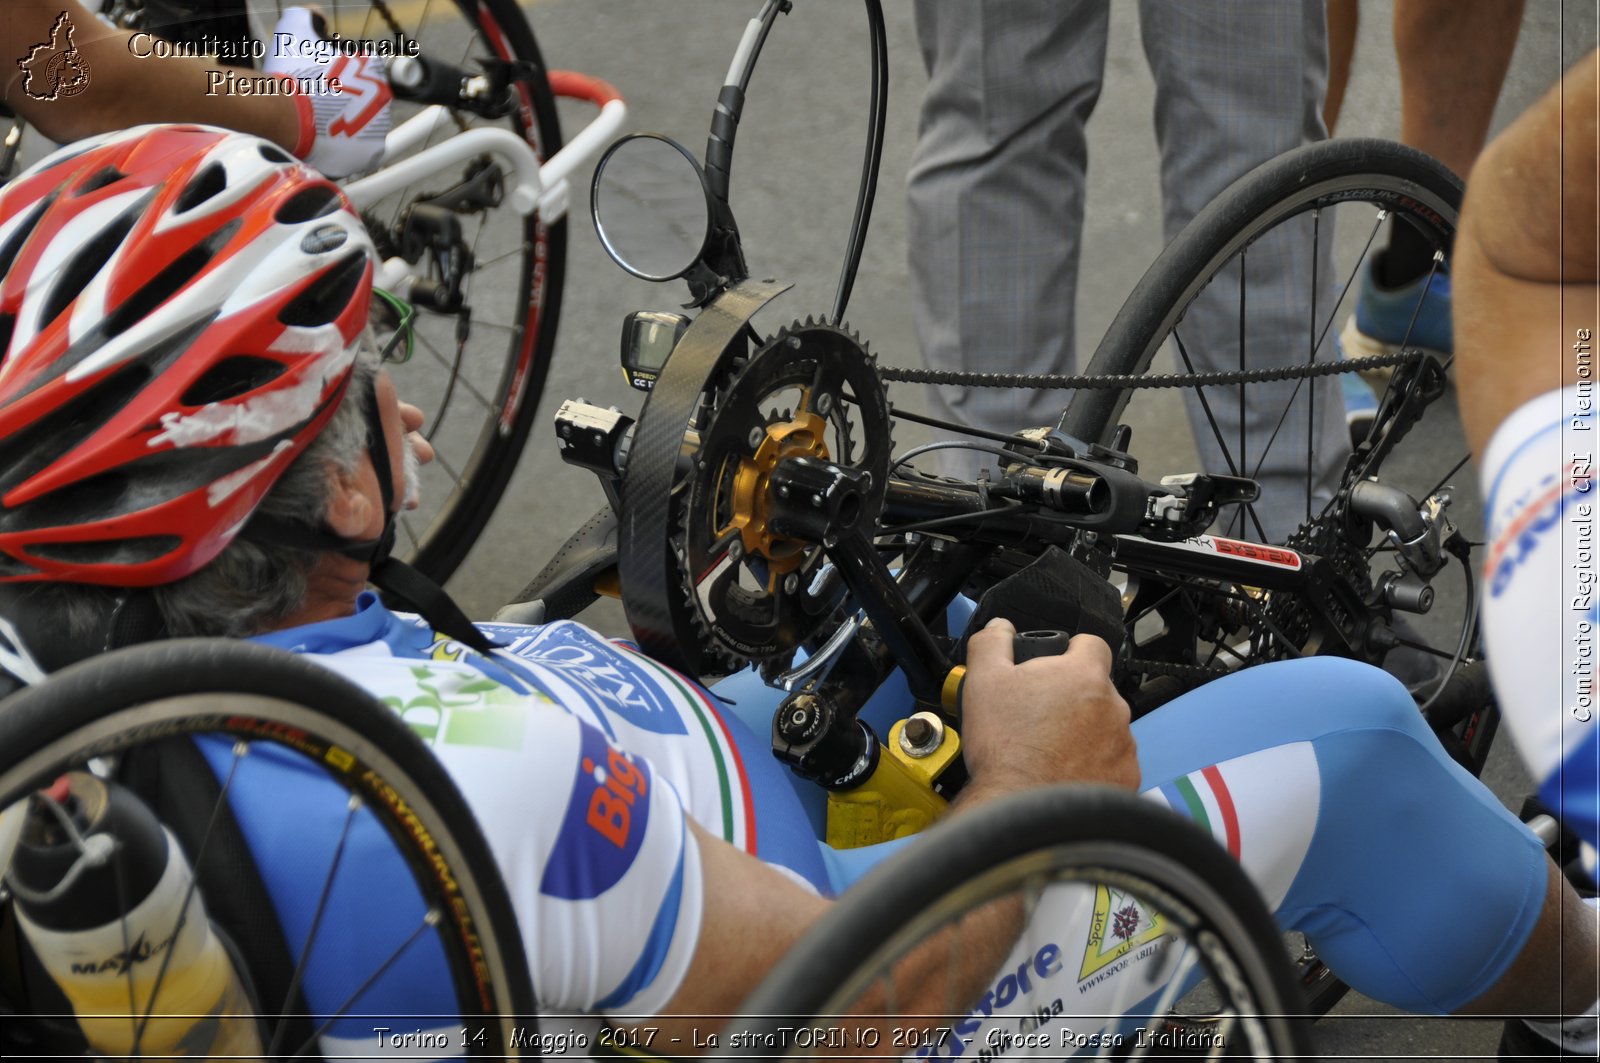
x=468, y=206
x=756, y=515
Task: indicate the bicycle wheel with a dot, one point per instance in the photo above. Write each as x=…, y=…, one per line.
x=481, y=392
x=195, y=727
x=1310, y=216
x=1290, y=213
x=1123, y=909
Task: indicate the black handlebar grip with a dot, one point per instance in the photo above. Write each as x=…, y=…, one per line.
x=1030, y=644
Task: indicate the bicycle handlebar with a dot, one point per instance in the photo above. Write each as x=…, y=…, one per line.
x=532, y=186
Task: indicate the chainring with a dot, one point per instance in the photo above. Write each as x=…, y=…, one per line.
x=810, y=391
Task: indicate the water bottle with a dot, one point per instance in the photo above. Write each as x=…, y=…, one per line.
x=105, y=941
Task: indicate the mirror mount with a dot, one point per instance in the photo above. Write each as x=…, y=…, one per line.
x=721, y=264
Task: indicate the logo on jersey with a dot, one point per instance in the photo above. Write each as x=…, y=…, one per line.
x=1524, y=532
x=604, y=824
x=610, y=681
x=459, y=707
x=1120, y=925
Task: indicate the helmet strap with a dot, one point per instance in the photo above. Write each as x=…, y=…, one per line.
x=398, y=580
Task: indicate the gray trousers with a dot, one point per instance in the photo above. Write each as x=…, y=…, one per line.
x=996, y=199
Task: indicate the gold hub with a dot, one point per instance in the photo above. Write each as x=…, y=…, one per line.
x=751, y=494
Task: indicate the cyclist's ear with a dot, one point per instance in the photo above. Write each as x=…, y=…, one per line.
x=354, y=502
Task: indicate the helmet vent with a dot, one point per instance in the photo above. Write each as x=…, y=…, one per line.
x=135, y=551
x=136, y=486
x=108, y=175
x=312, y=202
x=8, y=253
x=273, y=153
x=207, y=183
x=328, y=295
x=231, y=378
x=183, y=269
x=88, y=262
x=60, y=431
x=7, y=323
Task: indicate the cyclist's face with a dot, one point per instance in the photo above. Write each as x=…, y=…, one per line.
x=407, y=450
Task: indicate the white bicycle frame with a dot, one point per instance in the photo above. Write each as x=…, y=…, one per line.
x=530, y=185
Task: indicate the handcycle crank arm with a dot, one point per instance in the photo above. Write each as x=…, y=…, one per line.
x=822, y=502
x=926, y=665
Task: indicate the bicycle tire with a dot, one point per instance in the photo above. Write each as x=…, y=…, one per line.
x=1079, y=832
x=111, y=705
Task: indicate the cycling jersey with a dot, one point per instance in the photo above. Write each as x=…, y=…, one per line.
x=1318, y=775
x=1541, y=611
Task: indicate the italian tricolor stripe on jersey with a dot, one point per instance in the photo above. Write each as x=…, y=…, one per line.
x=1204, y=795
x=738, y=810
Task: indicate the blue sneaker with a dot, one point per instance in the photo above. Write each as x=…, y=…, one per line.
x=1383, y=316
x=1378, y=326
x=1360, y=407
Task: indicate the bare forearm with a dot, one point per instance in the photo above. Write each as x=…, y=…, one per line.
x=125, y=89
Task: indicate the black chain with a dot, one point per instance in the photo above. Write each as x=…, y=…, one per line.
x=1201, y=672
x=1129, y=381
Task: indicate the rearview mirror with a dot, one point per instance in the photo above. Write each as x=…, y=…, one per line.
x=651, y=206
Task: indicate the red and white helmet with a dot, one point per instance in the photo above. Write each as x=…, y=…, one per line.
x=180, y=309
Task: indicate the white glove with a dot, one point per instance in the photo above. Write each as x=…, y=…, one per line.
x=341, y=132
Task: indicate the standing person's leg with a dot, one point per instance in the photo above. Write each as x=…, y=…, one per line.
x=1238, y=82
x=1344, y=20
x=1453, y=59
x=995, y=195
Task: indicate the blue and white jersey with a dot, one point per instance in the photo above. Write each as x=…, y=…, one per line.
x=1541, y=611
x=581, y=759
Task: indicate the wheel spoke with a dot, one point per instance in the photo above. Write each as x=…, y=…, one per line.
x=431, y=919
x=452, y=365
x=351, y=807
x=239, y=751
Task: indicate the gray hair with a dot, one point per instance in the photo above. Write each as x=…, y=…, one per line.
x=251, y=587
